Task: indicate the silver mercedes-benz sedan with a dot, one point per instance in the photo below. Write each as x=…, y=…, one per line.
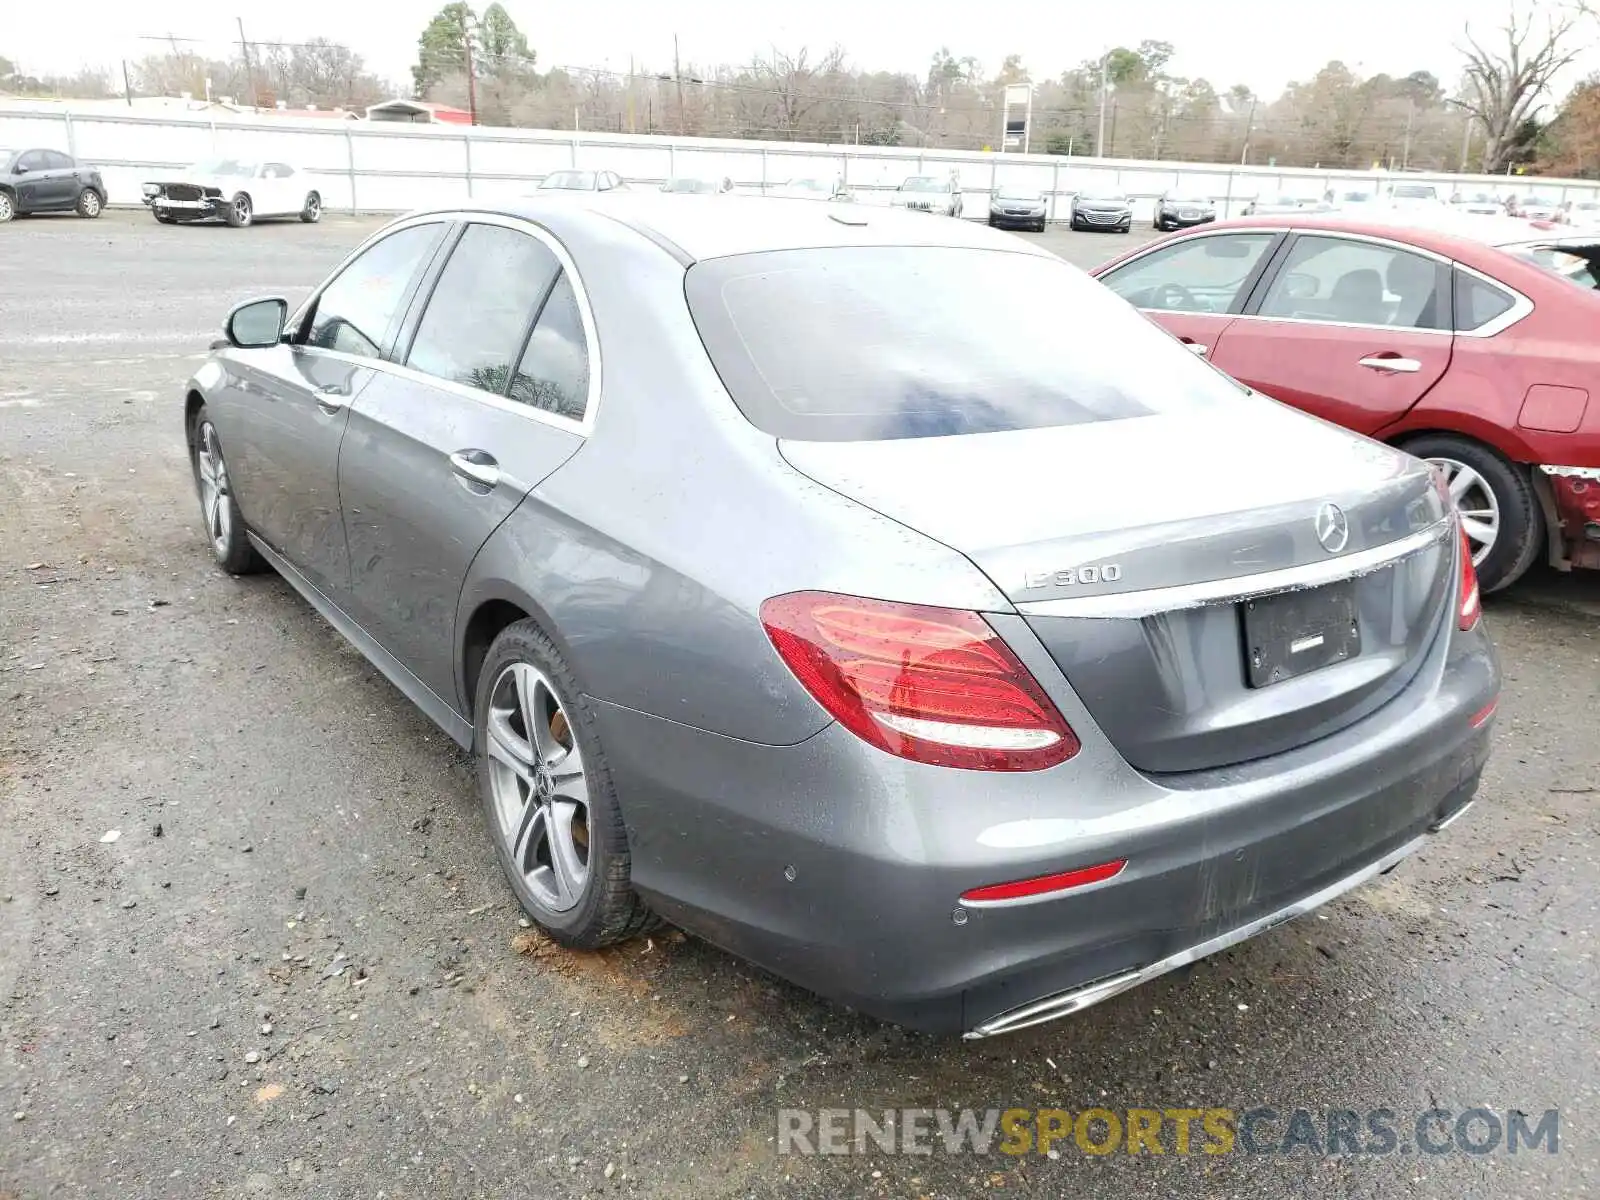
x=964, y=662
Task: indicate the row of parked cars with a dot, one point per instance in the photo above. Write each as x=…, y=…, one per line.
x=1427, y=197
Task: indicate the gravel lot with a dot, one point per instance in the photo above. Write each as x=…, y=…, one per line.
x=296, y=970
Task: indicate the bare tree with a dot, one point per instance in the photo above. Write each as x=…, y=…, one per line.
x=1505, y=87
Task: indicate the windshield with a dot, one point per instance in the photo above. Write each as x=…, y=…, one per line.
x=809, y=185
x=1412, y=191
x=1578, y=265
x=1477, y=198
x=694, y=187
x=224, y=166
x=1019, y=193
x=841, y=344
x=1104, y=197
x=1539, y=202
x=1355, y=197
x=571, y=181
x=1188, y=199
x=925, y=183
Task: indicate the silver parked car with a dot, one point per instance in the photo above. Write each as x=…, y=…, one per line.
x=939, y=194
x=698, y=185
x=852, y=631
x=1101, y=210
x=582, y=181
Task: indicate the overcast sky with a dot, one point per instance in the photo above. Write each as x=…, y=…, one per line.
x=1262, y=43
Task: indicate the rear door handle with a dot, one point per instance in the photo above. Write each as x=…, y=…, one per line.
x=331, y=400
x=476, y=466
x=1202, y=351
x=1397, y=365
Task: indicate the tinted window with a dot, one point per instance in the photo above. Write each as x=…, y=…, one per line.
x=34, y=160
x=1358, y=283
x=1205, y=274
x=354, y=312
x=481, y=307
x=852, y=344
x=1478, y=302
x=554, y=372
x=57, y=161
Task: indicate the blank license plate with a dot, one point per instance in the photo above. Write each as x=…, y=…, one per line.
x=1295, y=632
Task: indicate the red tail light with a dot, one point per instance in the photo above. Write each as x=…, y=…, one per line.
x=1471, y=606
x=935, y=685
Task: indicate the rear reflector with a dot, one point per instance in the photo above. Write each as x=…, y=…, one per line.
x=1044, y=885
x=934, y=685
x=1471, y=606
x=1481, y=717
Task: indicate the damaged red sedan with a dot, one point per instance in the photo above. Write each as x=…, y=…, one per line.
x=1477, y=348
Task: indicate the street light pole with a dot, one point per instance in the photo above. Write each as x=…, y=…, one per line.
x=1100, y=138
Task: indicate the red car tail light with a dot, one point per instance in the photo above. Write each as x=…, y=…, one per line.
x=934, y=685
x=1470, y=608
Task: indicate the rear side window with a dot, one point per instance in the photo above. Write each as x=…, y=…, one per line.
x=354, y=312
x=553, y=374
x=1478, y=302
x=869, y=343
x=58, y=161
x=481, y=307
x=1349, y=282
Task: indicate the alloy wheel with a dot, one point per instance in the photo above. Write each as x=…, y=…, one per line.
x=241, y=210
x=7, y=208
x=91, y=204
x=216, y=501
x=1476, y=502
x=539, y=786
x=313, y=206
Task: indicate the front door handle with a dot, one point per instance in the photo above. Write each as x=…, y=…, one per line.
x=1394, y=365
x=331, y=400
x=476, y=466
x=1202, y=351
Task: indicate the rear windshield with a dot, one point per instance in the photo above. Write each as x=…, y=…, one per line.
x=1578, y=265
x=925, y=183
x=873, y=343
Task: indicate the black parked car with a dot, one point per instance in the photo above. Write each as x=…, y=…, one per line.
x=48, y=181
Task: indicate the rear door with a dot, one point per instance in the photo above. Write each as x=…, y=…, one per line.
x=495, y=392
x=1351, y=329
x=60, y=179
x=1195, y=286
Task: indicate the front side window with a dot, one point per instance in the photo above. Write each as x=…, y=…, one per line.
x=57, y=161
x=1358, y=283
x=856, y=344
x=33, y=160
x=225, y=166
x=481, y=307
x=276, y=171
x=553, y=374
x=354, y=312
x=1202, y=275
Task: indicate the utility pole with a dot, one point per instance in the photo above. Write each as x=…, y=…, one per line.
x=1466, y=143
x=472, y=83
x=244, y=47
x=127, y=84
x=1249, y=128
x=632, y=127
x=677, y=76
x=1100, y=139
x=1405, y=154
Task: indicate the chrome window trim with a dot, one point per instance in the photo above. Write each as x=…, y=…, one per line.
x=1154, y=601
x=1521, y=306
x=591, y=334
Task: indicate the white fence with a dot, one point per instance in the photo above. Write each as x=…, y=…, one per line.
x=380, y=167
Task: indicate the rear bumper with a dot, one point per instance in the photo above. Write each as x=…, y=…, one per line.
x=1576, y=491
x=841, y=868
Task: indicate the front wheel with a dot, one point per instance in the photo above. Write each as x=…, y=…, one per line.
x=312, y=212
x=8, y=206
x=1499, y=511
x=90, y=204
x=547, y=795
x=240, y=213
x=224, y=525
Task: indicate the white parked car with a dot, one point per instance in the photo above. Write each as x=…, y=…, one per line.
x=1538, y=208
x=235, y=190
x=928, y=193
x=1267, y=205
x=1585, y=213
x=814, y=187
x=1483, y=204
x=1352, y=199
x=1423, y=197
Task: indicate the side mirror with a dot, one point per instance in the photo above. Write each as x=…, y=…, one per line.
x=256, y=323
x=19, y=169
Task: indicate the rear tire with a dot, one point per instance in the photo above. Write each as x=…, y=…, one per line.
x=8, y=206
x=312, y=212
x=90, y=204
x=240, y=212
x=1492, y=493
x=570, y=870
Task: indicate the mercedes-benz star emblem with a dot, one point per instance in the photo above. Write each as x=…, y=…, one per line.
x=1333, y=528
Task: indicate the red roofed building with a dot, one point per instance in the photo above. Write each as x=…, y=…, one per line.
x=418, y=112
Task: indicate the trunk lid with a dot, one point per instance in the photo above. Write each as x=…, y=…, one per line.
x=1177, y=518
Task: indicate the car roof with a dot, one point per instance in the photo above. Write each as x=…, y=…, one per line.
x=1463, y=241
x=692, y=231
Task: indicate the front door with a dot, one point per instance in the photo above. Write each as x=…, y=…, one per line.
x=1192, y=287
x=32, y=181
x=1352, y=330
x=286, y=407
x=489, y=402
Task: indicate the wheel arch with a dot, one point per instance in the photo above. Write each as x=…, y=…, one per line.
x=192, y=403
x=493, y=605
